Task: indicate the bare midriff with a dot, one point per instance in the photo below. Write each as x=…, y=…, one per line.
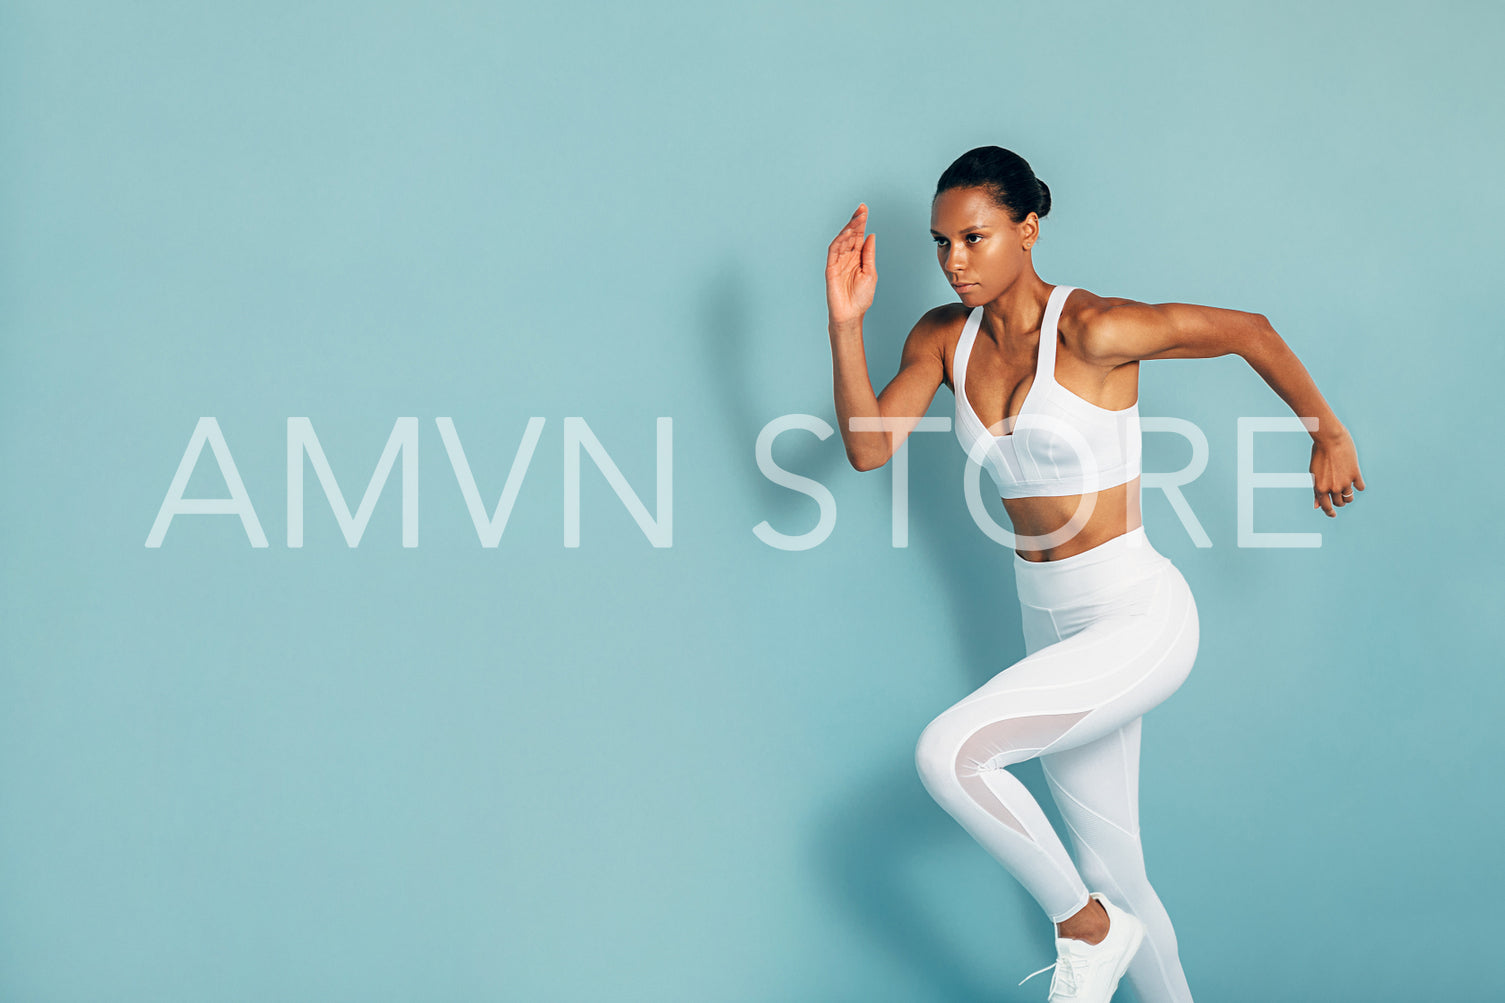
x=1115, y=511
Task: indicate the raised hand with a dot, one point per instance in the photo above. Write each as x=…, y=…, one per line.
x=851, y=270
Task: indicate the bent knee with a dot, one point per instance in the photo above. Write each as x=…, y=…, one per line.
x=948, y=748
x=935, y=758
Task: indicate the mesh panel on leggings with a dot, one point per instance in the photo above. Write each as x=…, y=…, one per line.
x=1000, y=743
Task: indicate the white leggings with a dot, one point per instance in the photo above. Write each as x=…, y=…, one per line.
x=1109, y=634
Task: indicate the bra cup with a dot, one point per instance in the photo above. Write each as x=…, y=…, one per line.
x=1049, y=447
x=1059, y=443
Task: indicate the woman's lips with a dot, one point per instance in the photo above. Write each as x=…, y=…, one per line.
x=964, y=286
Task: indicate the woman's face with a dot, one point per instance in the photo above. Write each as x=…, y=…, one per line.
x=980, y=249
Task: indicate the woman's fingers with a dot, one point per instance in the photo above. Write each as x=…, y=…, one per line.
x=851, y=232
x=852, y=257
x=851, y=272
x=1330, y=495
x=850, y=237
x=1336, y=497
x=1348, y=488
x=1336, y=480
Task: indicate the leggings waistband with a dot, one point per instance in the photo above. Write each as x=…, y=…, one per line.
x=1111, y=565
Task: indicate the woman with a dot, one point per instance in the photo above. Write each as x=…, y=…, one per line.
x=1046, y=386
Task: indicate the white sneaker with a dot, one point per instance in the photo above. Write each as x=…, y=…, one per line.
x=1089, y=973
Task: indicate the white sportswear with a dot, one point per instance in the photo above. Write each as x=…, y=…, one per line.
x=1109, y=634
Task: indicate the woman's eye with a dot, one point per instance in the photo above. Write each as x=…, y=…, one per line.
x=971, y=235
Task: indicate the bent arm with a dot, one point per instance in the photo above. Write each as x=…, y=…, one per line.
x=901, y=404
x=1125, y=331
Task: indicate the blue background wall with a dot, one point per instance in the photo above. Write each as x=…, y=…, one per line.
x=621, y=772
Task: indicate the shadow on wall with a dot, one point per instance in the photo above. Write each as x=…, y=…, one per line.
x=866, y=844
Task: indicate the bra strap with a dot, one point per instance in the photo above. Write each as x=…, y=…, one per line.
x=1045, y=365
x=964, y=349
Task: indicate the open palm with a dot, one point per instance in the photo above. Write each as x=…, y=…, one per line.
x=851, y=270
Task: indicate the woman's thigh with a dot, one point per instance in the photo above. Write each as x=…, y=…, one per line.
x=1113, y=663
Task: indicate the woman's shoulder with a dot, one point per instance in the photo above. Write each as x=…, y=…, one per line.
x=939, y=329
x=1083, y=313
x=946, y=315
x=943, y=324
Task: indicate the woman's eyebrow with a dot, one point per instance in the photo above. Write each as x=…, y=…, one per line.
x=974, y=226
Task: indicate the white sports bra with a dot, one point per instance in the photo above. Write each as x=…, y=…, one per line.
x=1060, y=444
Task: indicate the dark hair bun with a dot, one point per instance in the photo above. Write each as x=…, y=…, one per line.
x=1007, y=178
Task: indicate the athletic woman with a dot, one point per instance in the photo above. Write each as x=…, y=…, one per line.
x=1046, y=386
